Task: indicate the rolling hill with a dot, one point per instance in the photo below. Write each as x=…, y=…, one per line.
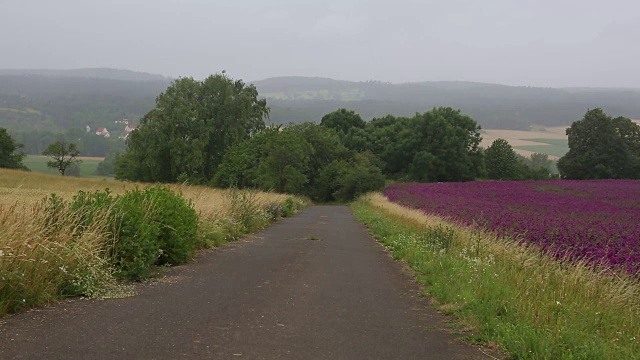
x=294, y=99
x=58, y=100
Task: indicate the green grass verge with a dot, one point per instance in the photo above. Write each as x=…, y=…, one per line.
x=511, y=303
x=38, y=164
x=556, y=147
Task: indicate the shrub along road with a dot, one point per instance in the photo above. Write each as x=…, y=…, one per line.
x=314, y=286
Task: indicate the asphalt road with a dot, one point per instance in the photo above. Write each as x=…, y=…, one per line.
x=314, y=286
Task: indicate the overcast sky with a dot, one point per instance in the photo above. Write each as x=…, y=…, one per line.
x=518, y=42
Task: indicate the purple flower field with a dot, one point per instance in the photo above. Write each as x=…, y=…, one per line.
x=598, y=221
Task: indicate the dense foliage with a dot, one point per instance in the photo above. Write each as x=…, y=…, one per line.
x=306, y=159
x=10, y=157
x=107, y=167
x=439, y=145
x=503, y=163
x=601, y=228
x=601, y=147
x=193, y=124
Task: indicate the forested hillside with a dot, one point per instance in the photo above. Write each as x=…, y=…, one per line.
x=60, y=100
x=294, y=99
x=58, y=103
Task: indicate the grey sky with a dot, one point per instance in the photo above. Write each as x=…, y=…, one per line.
x=518, y=42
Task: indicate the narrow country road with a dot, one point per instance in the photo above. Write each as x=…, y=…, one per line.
x=314, y=286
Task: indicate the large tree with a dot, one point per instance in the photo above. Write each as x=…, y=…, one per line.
x=64, y=156
x=342, y=121
x=10, y=157
x=193, y=124
x=501, y=161
x=602, y=148
x=439, y=145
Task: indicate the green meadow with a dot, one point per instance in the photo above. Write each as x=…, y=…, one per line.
x=38, y=163
x=555, y=147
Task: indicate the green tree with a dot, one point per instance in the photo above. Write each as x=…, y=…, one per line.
x=64, y=156
x=107, y=167
x=239, y=166
x=501, y=161
x=342, y=121
x=602, y=148
x=283, y=168
x=327, y=148
x=271, y=160
x=193, y=124
x=540, y=161
x=439, y=145
x=359, y=178
x=536, y=167
x=10, y=157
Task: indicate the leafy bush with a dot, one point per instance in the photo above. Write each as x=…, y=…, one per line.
x=136, y=247
x=359, y=179
x=150, y=226
x=289, y=208
x=178, y=224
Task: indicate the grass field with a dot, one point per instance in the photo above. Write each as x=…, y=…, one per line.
x=551, y=147
x=342, y=95
x=22, y=111
x=546, y=140
x=38, y=163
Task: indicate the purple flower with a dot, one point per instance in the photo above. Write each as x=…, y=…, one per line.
x=597, y=221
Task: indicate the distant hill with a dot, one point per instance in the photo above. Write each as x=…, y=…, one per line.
x=294, y=99
x=58, y=100
x=92, y=73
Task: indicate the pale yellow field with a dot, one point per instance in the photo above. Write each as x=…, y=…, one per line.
x=521, y=138
x=20, y=187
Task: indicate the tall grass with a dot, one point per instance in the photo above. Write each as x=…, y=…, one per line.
x=535, y=307
x=46, y=254
x=48, y=250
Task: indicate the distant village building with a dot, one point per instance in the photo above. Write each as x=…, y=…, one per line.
x=127, y=130
x=122, y=121
x=88, y=129
x=103, y=132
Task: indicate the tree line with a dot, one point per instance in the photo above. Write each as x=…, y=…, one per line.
x=213, y=132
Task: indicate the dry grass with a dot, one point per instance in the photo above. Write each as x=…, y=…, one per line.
x=47, y=254
x=26, y=187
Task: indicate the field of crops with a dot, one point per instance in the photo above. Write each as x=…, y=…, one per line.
x=595, y=221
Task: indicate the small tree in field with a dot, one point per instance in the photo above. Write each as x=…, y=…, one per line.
x=501, y=161
x=63, y=154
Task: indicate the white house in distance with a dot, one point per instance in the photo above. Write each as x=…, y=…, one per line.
x=122, y=121
x=127, y=130
x=103, y=132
